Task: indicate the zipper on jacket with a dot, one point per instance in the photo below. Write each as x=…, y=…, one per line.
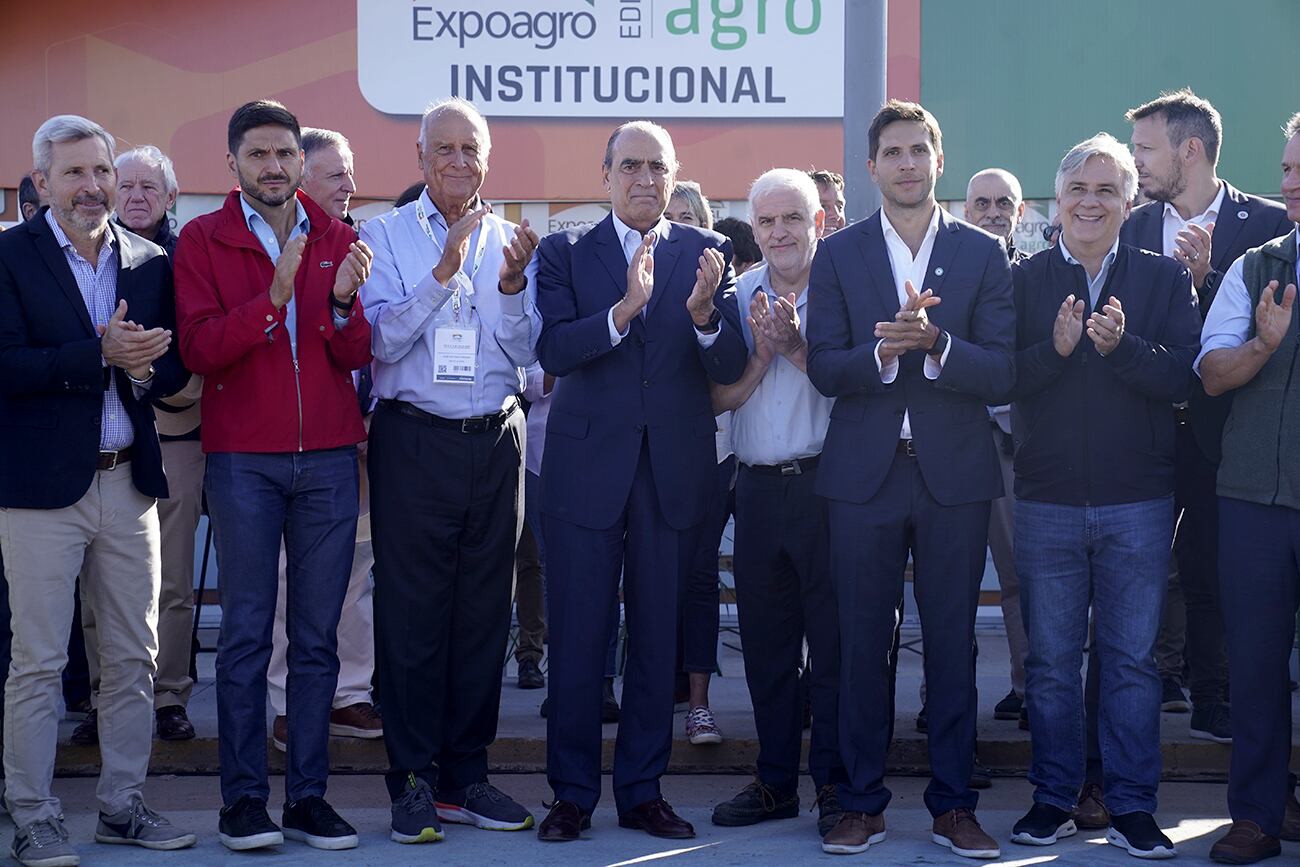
x=297, y=384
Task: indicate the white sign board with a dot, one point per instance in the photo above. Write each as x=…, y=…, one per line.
x=605, y=58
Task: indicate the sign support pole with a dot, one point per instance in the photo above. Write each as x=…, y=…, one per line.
x=866, y=59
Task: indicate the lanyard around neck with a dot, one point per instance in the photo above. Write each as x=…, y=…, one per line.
x=480, y=249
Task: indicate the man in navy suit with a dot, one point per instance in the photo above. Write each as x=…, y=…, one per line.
x=1206, y=224
x=85, y=348
x=908, y=465
x=637, y=317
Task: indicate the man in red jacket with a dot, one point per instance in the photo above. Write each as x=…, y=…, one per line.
x=268, y=315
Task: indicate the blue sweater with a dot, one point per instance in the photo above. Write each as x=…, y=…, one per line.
x=1093, y=429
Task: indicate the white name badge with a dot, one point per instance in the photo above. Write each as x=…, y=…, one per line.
x=454, y=355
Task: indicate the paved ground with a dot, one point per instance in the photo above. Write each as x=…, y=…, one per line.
x=1191, y=813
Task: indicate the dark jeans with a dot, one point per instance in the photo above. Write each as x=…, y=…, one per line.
x=1200, y=642
x=309, y=501
x=784, y=591
x=1114, y=558
x=870, y=543
x=1259, y=565
x=445, y=512
x=697, y=629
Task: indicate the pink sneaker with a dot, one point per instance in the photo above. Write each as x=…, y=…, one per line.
x=701, y=728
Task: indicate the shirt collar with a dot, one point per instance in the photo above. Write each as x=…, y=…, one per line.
x=250, y=215
x=930, y=230
x=1069, y=257
x=621, y=229
x=61, y=237
x=1211, y=212
x=435, y=216
x=763, y=283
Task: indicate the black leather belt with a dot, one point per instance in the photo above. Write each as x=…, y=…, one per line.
x=906, y=447
x=1182, y=414
x=110, y=460
x=473, y=425
x=796, y=467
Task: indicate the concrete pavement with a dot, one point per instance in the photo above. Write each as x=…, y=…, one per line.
x=1192, y=814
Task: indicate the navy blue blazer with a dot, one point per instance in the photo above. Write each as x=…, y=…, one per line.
x=850, y=290
x=1244, y=222
x=654, y=385
x=51, y=373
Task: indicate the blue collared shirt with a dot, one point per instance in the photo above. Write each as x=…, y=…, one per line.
x=406, y=306
x=1231, y=316
x=265, y=235
x=786, y=417
x=1095, y=284
x=98, y=284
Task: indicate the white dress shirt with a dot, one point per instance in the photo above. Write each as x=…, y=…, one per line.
x=786, y=417
x=1173, y=223
x=907, y=267
x=1231, y=315
x=630, y=239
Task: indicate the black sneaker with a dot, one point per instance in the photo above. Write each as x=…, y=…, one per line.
x=484, y=806
x=828, y=808
x=1140, y=835
x=1172, y=697
x=312, y=821
x=1212, y=723
x=415, y=816
x=530, y=676
x=1043, y=825
x=1009, y=707
x=87, y=731
x=245, y=824
x=756, y=803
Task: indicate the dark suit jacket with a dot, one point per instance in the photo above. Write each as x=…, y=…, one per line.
x=51, y=375
x=850, y=290
x=652, y=386
x=1244, y=222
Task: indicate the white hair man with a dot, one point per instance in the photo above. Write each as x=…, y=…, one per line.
x=146, y=191
x=451, y=303
x=783, y=587
x=78, y=493
x=1094, y=499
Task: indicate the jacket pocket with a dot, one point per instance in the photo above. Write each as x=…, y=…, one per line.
x=566, y=425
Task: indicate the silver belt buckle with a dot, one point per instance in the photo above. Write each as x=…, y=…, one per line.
x=113, y=464
x=791, y=469
x=911, y=448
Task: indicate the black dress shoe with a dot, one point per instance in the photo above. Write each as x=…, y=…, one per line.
x=530, y=676
x=657, y=819
x=174, y=724
x=565, y=822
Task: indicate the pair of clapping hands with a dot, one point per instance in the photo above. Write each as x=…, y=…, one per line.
x=775, y=326
x=129, y=345
x=515, y=255
x=1105, y=327
x=911, y=328
x=641, y=284
x=351, y=274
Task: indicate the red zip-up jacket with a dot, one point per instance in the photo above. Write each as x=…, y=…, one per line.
x=256, y=398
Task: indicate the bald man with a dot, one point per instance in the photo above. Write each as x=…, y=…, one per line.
x=994, y=202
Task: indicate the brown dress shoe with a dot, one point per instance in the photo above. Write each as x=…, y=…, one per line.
x=280, y=733
x=1245, y=843
x=657, y=819
x=565, y=822
x=360, y=720
x=960, y=831
x=1091, y=813
x=1291, y=820
x=854, y=832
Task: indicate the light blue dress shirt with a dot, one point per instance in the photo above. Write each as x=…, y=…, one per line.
x=1231, y=316
x=406, y=306
x=786, y=417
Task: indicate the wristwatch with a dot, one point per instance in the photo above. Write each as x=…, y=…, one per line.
x=940, y=345
x=713, y=323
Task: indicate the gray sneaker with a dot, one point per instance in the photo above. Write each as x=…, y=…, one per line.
x=137, y=825
x=44, y=843
x=485, y=806
x=415, y=816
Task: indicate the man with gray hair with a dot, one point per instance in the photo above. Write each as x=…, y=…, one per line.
x=146, y=191
x=995, y=203
x=783, y=583
x=327, y=175
x=1094, y=512
x=451, y=300
x=1251, y=347
x=79, y=485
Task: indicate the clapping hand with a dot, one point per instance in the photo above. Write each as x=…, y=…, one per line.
x=128, y=345
x=1106, y=328
x=911, y=327
x=1068, y=327
x=1273, y=320
x=708, y=276
x=516, y=255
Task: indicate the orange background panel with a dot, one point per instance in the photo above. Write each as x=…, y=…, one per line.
x=169, y=74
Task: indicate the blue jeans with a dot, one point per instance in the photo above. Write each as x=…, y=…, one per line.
x=1116, y=560
x=308, y=500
